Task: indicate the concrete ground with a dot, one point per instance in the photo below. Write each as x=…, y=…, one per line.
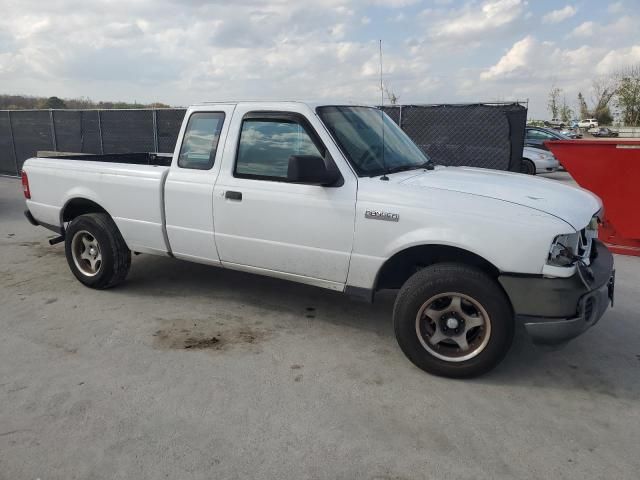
x=301, y=382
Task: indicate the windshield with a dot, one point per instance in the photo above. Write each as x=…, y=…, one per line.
x=359, y=133
x=558, y=135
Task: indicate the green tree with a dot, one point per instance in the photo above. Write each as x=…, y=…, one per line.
x=603, y=116
x=603, y=90
x=628, y=95
x=391, y=95
x=565, y=111
x=582, y=105
x=553, y=102
x=54, y=102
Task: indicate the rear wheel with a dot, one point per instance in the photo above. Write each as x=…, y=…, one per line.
x=527, y=166
x=96, y=252
x=453, y=320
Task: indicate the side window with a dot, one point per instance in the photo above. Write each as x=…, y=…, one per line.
x=266, y=145
x=537, y=135
x=200, y=141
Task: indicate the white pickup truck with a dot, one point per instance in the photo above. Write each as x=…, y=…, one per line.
x=339, y=197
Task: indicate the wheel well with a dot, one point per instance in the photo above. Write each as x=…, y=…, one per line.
x=79, y=206
x=404, y=264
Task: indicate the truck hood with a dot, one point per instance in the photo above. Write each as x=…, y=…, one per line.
x=574, y=205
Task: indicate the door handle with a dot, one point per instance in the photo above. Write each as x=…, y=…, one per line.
x=231, y=195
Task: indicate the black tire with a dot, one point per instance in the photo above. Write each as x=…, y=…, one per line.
x=472, y=283
x=115, y=256
x=527, y=166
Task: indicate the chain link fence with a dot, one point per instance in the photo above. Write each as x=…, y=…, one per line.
x=480, y=135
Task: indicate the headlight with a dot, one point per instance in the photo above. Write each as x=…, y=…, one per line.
x=563, y=250
x=571, y=247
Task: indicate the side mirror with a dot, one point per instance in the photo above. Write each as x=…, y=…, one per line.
x=312, y=170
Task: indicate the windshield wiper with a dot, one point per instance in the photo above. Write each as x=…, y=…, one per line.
x=428, y=165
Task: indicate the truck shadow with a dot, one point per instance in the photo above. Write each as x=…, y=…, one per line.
x=164, y=277
x=592, y=364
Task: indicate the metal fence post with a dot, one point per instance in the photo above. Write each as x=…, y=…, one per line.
x=400, y=118
x=54, y=141
x=154, y=116
x=13, y=142
x=100, y=132
x=81, y=131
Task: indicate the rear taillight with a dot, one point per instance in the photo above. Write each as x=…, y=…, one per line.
x=25, y=185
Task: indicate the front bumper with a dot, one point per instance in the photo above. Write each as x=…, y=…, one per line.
x=555, y=310
x=547, y=165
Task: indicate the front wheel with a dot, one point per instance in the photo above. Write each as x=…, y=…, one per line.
x=527, y=166
x=96, y=252
x=453, y=320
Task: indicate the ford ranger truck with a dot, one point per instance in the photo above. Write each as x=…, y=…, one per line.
x=339, y=197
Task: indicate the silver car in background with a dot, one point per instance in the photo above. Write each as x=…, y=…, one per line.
x=536, y=160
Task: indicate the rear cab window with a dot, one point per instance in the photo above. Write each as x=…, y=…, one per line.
x=200, y=142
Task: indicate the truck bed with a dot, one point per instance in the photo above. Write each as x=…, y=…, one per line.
x=128, y=186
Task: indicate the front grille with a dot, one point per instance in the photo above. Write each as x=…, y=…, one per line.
x=585, y=248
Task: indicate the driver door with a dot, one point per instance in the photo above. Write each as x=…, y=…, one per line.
x=262, y=222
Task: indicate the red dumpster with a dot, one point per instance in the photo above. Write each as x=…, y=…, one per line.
x=611, y=170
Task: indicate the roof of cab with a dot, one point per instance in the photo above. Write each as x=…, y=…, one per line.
x=310, y=104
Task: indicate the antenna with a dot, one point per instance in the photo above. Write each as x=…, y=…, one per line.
x=381, y=85
x=384, y=163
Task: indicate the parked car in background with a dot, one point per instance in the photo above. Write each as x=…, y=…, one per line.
x=536, y=160
x=588, y=123
x=536, y=136
x=556, y=122
x=571, y=133
x=604, y=132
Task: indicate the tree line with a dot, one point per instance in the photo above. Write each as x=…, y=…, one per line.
x=620, y=90
x=22, y=102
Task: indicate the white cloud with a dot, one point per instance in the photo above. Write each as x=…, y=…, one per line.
x=614, y=34
x=338, y=31
x=531, y=60
x=530, y=67
x=617, y=59
x=472, y=22
x=585, y=29
x=557, y=16
x=514, y=61
x=395, y=3
x=616, y=7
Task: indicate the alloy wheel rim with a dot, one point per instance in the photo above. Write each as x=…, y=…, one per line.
x=453, y=327
x=86, y=253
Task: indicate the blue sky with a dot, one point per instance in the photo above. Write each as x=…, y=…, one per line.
x=181, y=52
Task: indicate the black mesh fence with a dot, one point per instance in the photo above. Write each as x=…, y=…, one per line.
x=25, y=132
x=480, y=135
x=7, y=155
x=168, y=126
x=125, y=131
x=77, y=131
x=31, y=132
